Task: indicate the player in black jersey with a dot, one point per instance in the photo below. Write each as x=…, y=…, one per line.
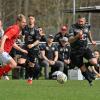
x=79, y=34
x=32, y=39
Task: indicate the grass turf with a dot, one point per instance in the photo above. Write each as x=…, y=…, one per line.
x=49, y=90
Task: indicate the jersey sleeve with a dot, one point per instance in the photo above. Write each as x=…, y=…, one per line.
x=56, y=37
x=37, y=35
x=89, y=28
x=42, y=47
x=56, y=47
x=71, y=31
x=44, y=39
x=10, y=33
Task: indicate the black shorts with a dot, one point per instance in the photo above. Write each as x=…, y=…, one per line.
x=78, y=55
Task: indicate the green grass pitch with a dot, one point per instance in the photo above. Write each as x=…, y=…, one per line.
x=49, y=90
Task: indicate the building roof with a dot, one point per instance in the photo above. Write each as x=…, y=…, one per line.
x=93, y=9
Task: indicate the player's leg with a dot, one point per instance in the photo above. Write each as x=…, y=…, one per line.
x=8, y=63
x=86, y=74
x=30, y=70
x=77, y=60
x=5, y=76
x=90, y=57
x=59, y=65
x=45, y=64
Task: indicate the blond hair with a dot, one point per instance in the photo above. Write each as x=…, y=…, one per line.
x=20, y=17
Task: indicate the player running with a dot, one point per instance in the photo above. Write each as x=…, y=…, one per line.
x=79, y=35
x=8, y=41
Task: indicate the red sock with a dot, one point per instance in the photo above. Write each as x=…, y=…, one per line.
x=1, y=71
x=6, y=68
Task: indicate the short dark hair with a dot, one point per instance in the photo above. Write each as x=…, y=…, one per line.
x=31, y=15
x=80, y=16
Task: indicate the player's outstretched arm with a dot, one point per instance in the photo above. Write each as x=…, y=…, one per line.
x=19, y=48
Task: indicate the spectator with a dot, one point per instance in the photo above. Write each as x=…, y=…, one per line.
x=63, y=33
x=42, y=41
x=64, y=53
x=97, y=55
x=78, y=37
x=42, y=35
x=49, y=54
x=95, y=69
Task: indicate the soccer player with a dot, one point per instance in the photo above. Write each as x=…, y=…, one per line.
x=8, y=41
x=5, y=76
x=78, y=37
x=31, y=38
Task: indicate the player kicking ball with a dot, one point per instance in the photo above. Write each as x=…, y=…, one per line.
x=8, y=41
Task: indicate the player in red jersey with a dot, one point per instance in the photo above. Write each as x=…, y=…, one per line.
x=8, y=41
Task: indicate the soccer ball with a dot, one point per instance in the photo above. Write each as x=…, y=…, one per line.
x=61, y=78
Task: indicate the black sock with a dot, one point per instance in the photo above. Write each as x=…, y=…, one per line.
x=91, y=75
x=87, y=76
x=36, y=71
x=30, y=72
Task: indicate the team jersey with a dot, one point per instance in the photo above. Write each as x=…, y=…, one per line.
x=49, y=50
x=58, y=36
x=81, y=42
x=12, y=33
x=42, y=38
x=63, y=52
x=31, y=35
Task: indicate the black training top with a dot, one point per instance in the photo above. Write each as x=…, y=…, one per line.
x=63, y=52
x=49, y=50
x=81, y=42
